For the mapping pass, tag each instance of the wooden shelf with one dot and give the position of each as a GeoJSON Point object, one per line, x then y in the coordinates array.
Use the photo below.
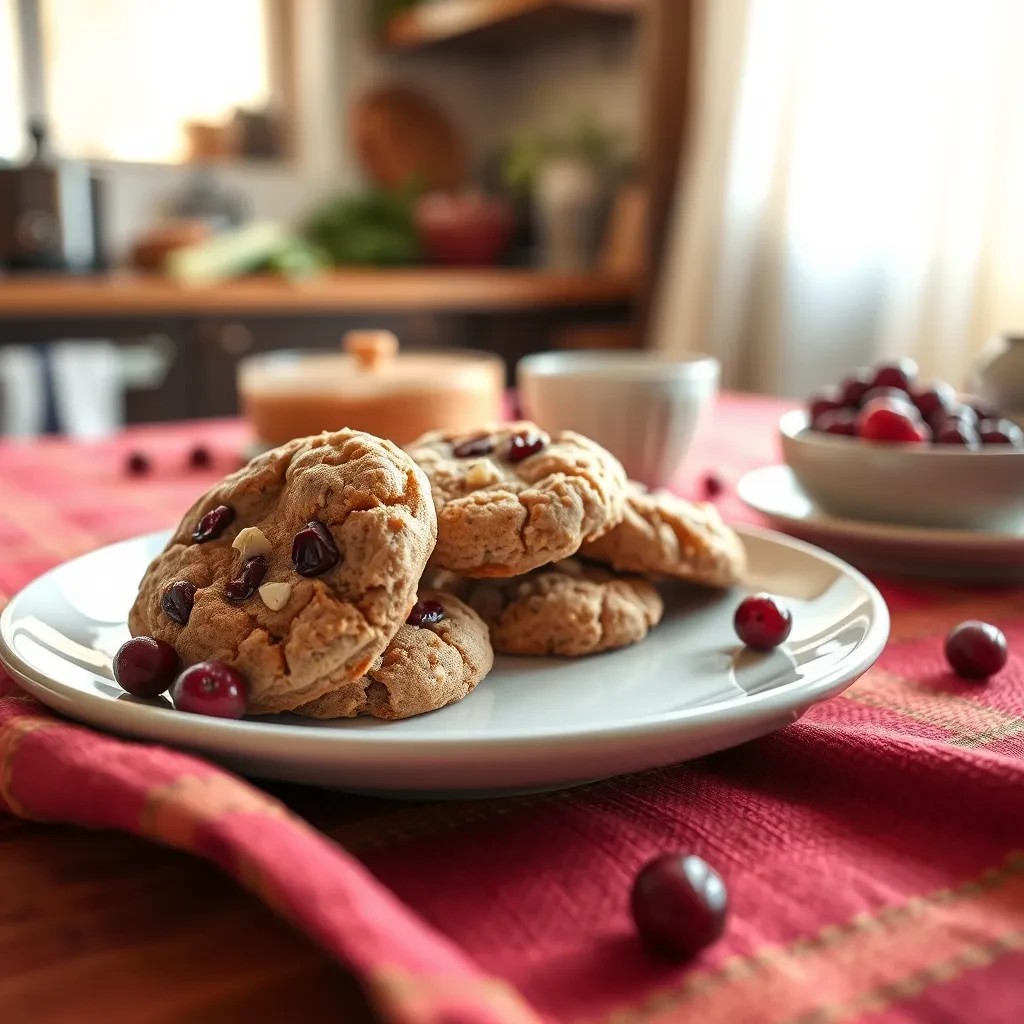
{"type": "Point", "coordinates": [441, 21]}
{"type": "Point", "coordinates": [381, 291]}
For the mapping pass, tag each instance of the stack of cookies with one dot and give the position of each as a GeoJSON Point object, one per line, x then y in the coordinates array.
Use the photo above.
{"type": "Point", "coordinates": [343, 576]}
{"type": "Point", "coordinates": [549, 543]}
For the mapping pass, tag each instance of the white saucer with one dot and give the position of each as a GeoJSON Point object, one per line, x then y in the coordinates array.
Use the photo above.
{"type": "Point", "coordinates": [918, 551]}
{"type": "Point", "coordinates": [534, 723]}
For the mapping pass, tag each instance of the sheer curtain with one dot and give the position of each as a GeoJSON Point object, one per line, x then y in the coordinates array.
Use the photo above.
{"type": "Point", "coordinates": [852, 187]}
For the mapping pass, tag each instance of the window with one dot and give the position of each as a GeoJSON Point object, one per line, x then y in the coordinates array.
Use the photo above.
{"type": "Point", "coordinates": [12, 128]}
{"type": "Point", "coordinates": [122, 79]}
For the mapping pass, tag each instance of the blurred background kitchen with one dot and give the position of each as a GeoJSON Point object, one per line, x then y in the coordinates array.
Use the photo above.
{"type": "Point", "coordinates": [793, 186]}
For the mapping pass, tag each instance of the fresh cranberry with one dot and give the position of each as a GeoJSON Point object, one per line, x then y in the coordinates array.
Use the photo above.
{"type": "Point", "coordinates": [522, 446]}
{"type": "Point", "coordinates": [842, 421]}
{"type": "Point", "coordinates": [761, 622]}
{"type": "Point", "coordinates": [137, 464]}
{"type": "Point", "coordinates": [474, 446]}
{"type": "Point", "coordinates": [210, 688]}
{"type": "Point", "coordinates": [976, 650]}
{"type": "Point", "coordinates": [957, 411]}
{"type": "Point", "coordinates": [825, 401]}
{"type": "Point", "coordinates": [886, 394]}
{"type": "Point", "coordinates": [1001, 432]}
{"type": "Point", "coordinates": [900, 374]}
{"type": "Point", "coordinates": [679, 905]}
{"type": "Point", "coordinates": [200, 457]}
{"type": "Point", "coordinates": [935, 399]}
{"type": "Point", "coordinates": [982, 410]}
{"type": "Point", "coordinates": [314, 550]}
{"type": "Point", "coordinates": [892, 422]}
{"type": "Point", "coordinates": [425, 613]}
{"type": "Point", "coordinates": [957, 432]}
{"type": "Point", "coordinates": [244, 585]}
{"type": "Point", "coordinates": [213, 524]}
{"type": "Point", "coordinates": [853, 388]}
{"type": "Point", "coordinates": [712, 484]}
{"type": "Point", "coordinates": [145, 667]}
{"type": "Point", "coordinates": [177, 601]}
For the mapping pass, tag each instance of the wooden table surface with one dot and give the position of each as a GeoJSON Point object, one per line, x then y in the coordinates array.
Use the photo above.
{"type": "Point", "coordinates": [423, 290]}
{"type": "Point", "coordinates": [103, 928]}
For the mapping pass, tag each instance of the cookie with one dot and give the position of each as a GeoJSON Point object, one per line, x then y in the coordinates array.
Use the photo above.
{"type": "Point", "coordinates": [298, 569]}
{"type": "Point", "coordinates": [425, 667]}
{"type": "Point", "coordinates": [569, 608]}
{"type": "Point", "coordinates": [667, 535]}
{"type": "Point", "coordinates": [510, 498]}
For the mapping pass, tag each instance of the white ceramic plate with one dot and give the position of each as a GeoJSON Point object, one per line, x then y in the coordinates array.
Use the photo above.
{"type": "Point", "coordinates": [534, 723]}
{"type": "Point", "coordinates": [917, 551]}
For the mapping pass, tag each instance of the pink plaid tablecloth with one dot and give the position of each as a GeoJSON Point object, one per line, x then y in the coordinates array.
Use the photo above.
{"type": "Point", "coordinates": [874, 850]}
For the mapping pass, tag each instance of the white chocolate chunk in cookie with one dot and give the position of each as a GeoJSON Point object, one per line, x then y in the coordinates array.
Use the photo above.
{"type": "Point", "coordinates": [275, 595]}
{"type": "Point", "coordinates": [482, 474]}
{"type": "Point", "coordinates": [250, 542]}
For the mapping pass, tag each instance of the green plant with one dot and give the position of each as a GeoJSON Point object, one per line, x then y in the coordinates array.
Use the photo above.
{"type": "Point", "coordinates": [586, 140]}
{"type": "Point", "coordinates": [373, 229]}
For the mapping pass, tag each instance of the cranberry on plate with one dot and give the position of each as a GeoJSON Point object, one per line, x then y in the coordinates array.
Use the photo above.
{"type": "Point", "coordinates": [762, 622]}
{"type": "Point", "coordinates": [679, 905]}
{"type": "Point", "coordinates": [976, 650]}
{"type": "Point", "coordinates": [210, 688]}
{"type": "Point", "coordinates": [146, 667]}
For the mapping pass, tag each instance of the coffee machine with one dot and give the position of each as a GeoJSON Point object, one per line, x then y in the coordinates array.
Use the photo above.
{"type": "Point", "coordinates": [50, 213]}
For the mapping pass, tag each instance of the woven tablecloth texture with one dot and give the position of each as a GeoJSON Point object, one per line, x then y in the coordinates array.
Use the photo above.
{"type": "Point", "coordinates": [874, 851]}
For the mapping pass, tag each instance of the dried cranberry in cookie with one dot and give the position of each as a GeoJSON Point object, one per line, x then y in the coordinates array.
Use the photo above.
{"type": "Point", "coordinates": [425, 613]}
{"type": "Point", "coordinates": [296, 637]}
{"type": "Point", "coordinates": [247, 582]}
{"type": "Point", "coordinates": [177, 601]}
{"type": "Point", "coordinates": [535, 500]}
{"type": "Point", "coordinates": [213, 524]}
{"type": "Point", "coordinates": [522, 446]}
{"type": "Point", "coordinates": [314, 550]}
{"type": "Point", "coordinates": [473, 447]}
{"type": "Point", "coordinates": [425, 667]}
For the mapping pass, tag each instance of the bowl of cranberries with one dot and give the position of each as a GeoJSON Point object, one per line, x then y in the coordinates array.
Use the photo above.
{"type": "Point", "coordinates": [884, 445]}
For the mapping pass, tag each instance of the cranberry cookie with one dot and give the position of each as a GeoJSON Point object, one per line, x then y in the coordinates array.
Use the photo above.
{"type": "Point", "coordinates": [510, 498]}
{"type": "Point", "coordinates": [667, 535]}
{"type": "Point", "coordinates": [436, 658]}
{"type": "Point", "coordinates": [298, 569]}
{"type": "Point", "coordinates": [569, 608]}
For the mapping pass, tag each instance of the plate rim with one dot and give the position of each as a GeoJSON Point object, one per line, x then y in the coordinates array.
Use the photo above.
{"type": "Point", "coordinates": [272, 739]}
{"type": "Point", "coordinates": [866, 529]}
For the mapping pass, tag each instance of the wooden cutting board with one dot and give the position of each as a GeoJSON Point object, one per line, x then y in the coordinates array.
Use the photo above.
{"type": "Point", "coordinates": [401, 136]}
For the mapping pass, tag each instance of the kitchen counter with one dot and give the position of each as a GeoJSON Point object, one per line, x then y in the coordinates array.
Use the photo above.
{"type": "Point", "coordinates": [344, 291]}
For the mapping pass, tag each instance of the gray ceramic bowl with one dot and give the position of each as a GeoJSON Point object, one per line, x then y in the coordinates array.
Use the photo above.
{"type": "Point", "coordinates": [918, 485]}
